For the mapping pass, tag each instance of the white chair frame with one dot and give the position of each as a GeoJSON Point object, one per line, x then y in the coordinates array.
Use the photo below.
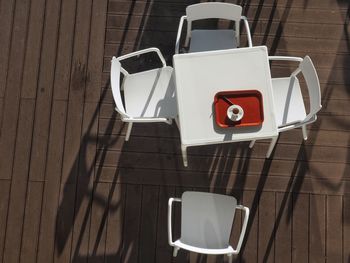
{"type": "Point", "coordinates": [204, 250]}
{"type": "Point", "coordinates": [312, 82]}
{"type": "Point", "coordinates": [211, 10]}
{"type": "Point", "coordinates": [116, 87]}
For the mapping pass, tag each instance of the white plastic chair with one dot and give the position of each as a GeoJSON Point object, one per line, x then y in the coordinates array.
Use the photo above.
{"type": "Point", "coordinates": [290, 109]}
{"type": "Point", "coordinates": [206, 40]}
{"type": "Point", "coordinates": [206, 223]}
{"type": "Point", "coordinates": [149, 96]}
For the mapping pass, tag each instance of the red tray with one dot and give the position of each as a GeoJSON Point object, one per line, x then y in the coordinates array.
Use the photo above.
{"type": "Point", "coordinates": [250, 100]}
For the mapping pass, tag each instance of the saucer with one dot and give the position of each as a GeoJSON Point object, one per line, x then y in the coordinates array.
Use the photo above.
{"type": "Point", "coordinates": [235, 116]}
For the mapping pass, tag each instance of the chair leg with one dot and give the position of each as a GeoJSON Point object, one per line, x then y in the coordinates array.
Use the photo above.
{"type": "Point", "coordinates": [272, 145]}
{"type": "Point", "coordinates": [229, 258]}
{"type": "Point", "coordinates": [251, 144]}
{"type": "Point", "coordinates": [184, 154]}
{"type": "Point", "coordinates": [128, 131]}
{"type": "Point", "coordinates": [303, 128]}
{"type": "Point", "coordinates": [177, 122]}
{"type": "Point", "coordinates": [176, 249]}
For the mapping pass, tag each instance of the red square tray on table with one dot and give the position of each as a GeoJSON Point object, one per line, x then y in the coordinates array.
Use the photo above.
{"type": "Point", "coordinates": [251, 102]}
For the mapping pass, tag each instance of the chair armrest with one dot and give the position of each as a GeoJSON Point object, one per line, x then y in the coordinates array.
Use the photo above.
{"type": "Point", "coordinates": [246, 24]}
{"type": "Point", "coordinates": [170, 206]}
{"type": "Point", "coordinates": [286, 58]}
{"type": "Point", "coordinates": [143, 51]}
{"type": "Point", "coordinates": [244, 227]}
{"type": "Point", "coordinates": [146, 120]}
{"type": "Point", "coordinates": [310, 118]}
{"type": "Point", "coordinates": [179, 31]}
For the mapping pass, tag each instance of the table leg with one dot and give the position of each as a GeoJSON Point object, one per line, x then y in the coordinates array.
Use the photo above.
{"type": "Point", "coordinates": [251, 144]}
{"type": "Point", "coordinates": [304, 132]}
{"type": "Point", "coordinates": [177, 122]}
{"type": "Point", "coordinates": [272, 145]}
{"type": "Point", "coordinates": [128, 131]}
{"type": "Point", "coordinates": [184, 154]}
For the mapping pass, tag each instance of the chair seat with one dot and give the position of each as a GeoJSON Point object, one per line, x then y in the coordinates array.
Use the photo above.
{"type": "Point", "coordinates": [288, 100]}
{"type": "Point", "coordinates": [150, 94]}
{"type": "Point", "coordinates": [220, 251]}
{"type": "Point", "coordinates": [207, 40]}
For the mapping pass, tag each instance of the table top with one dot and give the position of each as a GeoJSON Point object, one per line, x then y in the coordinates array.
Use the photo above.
{"type": "Point", "coordinates": [199, 76]}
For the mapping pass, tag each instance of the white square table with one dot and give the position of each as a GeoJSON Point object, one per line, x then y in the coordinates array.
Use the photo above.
{"type": "Point", "coordinates": [199, 76]}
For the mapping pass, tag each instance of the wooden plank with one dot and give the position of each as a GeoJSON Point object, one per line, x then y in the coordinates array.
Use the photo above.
{"type": "Point", "coordinates": [306, 45]}
{"type": "Point", "coordinates": [300, 15]}
{"type": "Point", "coordinates": [95, 60]}
{"type": "Point", "coordinates": [115, 236]}
{"type": "Point", "coordinates": [262, 27]}
{"type": "Point", "coordinates": [31, 222]}
{"type": "Point", "coordinates": [7, 10]}
{"type": "Point", "coordinates": [334, 228]}
{"type": "Point", "coordinates": [332, 123]}
{"type": "Point", "coordinates": [44, 95]}
{"type": "Point", "coordinates": [132, 222]}
{"type": "Point", "coordinates": [300, 228]}
{"type": "Point", "coordinates": [203, 163]}
{"type": "Point", "coordinates": [19, 183]}
{"type": "Point", "coordinates": [266, 248]}
{"type": "Point", "coordinates": [14, 83]}
{"type": "Point", "coordinates": [112, 126]}
{"type": "Point", "coordinates": [317, 246]}
{"type": "Point", "coordinates": [81, 249]}
{"type": "Point", "coordinates": [76, 91]}
{"type": "Point", "coordinates": [325, 4]}
{"type": "Point", "coordinates": [283, 226]}
{"type": "Point", "coordinates": [52, 182]}
{"type": "Point", "coordinates": [4, 202]}
{"type": "Point", "coordinates": [88, 141]}
{"type": "Point", "coordinates": [320, 60]}
{"type": "Point", "coordinates": [282, 44]}
{"type": "Point", "coordinates": [79, 232]}
{"type": "Point", "coordinates": [253, 12]}
{"type": "Point", "coordinates": [315, 137]}
{"type": "Point", "coordinates": [163, 250]}
{"type": "Point", "coordinates": [172, 161]}
{"type": "Point", "coordinates": [264, 30]}
{"type": "Point", "coordinates": [64, 222]}
{"type": "Point", "coordinates": [33, 49]}
{"type": "Point", "coordinates": [98, 226]}
{"type": "Point", "coordinates": [1, 113]}
{"type": "Point", "coordinates": [249, 250]}
{"type": "Point", "coordinates": [148, 226]}
{"type": "Point", "coordinates": [274, 182]}
{"type": "Point", "coordinates": [346, 228]}
{"type": "Point", "coordinates": [64, 50]}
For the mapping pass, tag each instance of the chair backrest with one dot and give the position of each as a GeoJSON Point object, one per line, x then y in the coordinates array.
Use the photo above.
{"type": "Point", "coordinates": [206, 219]}
{"type": "Point", "coordinates": [115, 84]}
{"type": "Point", "coordinates": [313, 85]}
{"type": "Point", "coordinates": [213, 10]}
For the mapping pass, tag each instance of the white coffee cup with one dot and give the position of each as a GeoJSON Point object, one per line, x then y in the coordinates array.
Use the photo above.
{"type": "Point", "coordinates": [235, 112]}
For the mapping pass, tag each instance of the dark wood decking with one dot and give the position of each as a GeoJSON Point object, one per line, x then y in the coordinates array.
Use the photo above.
{"type": "Point", "coordinates": [71, 188]}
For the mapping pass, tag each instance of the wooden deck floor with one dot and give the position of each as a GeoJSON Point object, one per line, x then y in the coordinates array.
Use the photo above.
{"type": "Point", "coordinates": [72, 190]}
